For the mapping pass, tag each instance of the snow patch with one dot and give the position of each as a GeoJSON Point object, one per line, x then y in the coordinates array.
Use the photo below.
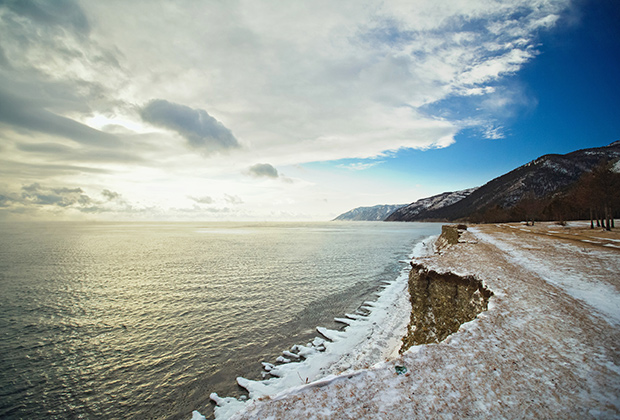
{"type": "Point", "coordinates": [602, 298]}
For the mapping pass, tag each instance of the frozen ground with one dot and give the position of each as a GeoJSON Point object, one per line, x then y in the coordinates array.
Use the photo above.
{"type": "Point", "coordinates": [547, 348]}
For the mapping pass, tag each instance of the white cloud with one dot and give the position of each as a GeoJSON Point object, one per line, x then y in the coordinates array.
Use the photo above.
{"type": "Point", "coordinates": [295, 82]}
{"type": "Point", "coordinates": [306, 72]}
{"type": "Point", "coordinates": [493, 133]}
{"type": "Point", "coordinates": [202, 200]}
{"type": "Point", "coordinates": [232, 199]}
{"type": "Point", "coordinates": [360, 166]}
{"type": "Point", "coordinates": [494, 68]}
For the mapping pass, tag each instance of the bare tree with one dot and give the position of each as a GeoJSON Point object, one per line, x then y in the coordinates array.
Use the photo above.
{"type": "Point", "coordinates": [599, 190]}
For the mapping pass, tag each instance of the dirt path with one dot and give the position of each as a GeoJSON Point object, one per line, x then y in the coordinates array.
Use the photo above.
{"type": "Point", "coordinates": [573, 231]}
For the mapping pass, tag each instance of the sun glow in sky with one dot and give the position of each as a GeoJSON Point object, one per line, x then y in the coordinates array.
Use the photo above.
{"type": "Point", "coordinates": [270, 110]}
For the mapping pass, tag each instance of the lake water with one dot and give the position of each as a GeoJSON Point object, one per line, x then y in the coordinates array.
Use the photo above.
{"type": "Point", "coordinates": [145, 320]}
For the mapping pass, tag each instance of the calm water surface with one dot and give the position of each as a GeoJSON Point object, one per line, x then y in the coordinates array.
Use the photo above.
{"type": "Point", "coordinates": [127, 320]}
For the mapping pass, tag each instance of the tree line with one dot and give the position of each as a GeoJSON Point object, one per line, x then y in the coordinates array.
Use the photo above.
{"type": "Point", "coordinates": [595, 197]}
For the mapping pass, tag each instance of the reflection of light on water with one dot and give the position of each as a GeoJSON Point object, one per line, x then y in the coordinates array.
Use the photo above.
{"type": "Point", "coordinates": [145, 320]}
{"type": "Point", "coordinates": [226, 231]}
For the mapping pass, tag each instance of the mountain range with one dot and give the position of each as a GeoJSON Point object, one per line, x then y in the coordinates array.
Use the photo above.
{"type": "Point", "coordinates": [541, 181]}
{"type": "Point", "coordinates": [417, 209]}
{"type": "Point", "coordinates": [375, 213]}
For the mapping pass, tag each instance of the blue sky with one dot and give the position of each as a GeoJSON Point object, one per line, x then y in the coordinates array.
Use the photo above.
{"type": "Point", "coordinates": [571, 101]}
{"type": "Point", "coordinates": [263, 110]}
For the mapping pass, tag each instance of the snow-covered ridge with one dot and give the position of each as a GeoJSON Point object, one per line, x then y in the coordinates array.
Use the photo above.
{"type": "Point", "coordinates": [375, 213]}
{"type": "Point", "coordinates": [430, 203]}
{"type": "Point", "coordinates": [545, 178]}
{"type": "Point", "coordinates": [372, 335]}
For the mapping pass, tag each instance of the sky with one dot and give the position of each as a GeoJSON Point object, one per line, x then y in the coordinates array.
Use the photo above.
{"type": "Point", "coordinates": [270, 110]}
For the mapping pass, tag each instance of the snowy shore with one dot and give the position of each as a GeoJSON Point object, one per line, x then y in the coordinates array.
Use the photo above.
{"type": "Point", "coordinates": [546, 348]}
{"type": "Point", "coordinates": [371, 335]}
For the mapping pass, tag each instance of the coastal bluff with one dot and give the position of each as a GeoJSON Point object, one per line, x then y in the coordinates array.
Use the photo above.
{"type": "Point", "coordinates": [547, 347]}
{"type": "Point", "coordinates": [442, 302]}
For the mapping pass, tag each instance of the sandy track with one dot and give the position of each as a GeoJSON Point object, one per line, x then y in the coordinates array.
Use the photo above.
{"type": "Point", "coordinates": [574, 231]}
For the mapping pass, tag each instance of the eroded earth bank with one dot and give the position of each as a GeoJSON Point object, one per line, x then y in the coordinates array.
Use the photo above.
{"type": "Point", "coordinates": [547, 347]}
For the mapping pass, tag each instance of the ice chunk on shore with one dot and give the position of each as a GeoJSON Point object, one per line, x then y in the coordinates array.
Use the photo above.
{"type": "Point", "coordinates": [290, 355]}
{"type": "Point", "coordinates": [268, 366]}
{"type": "Point", "coordinates": [346, 321]}
{"type": "Point", "coordinates": [197, 416]}
{"type": "Point", "coordinates": [374, 336]}
{"type": "Point", "coordinates": [225, 407]}
{"type": "Point", "coordinates": [331, 335]}
{"type": "Point", "coordinates": [318, 341]}
{"type": "Point", "coordinates": [306, 351]}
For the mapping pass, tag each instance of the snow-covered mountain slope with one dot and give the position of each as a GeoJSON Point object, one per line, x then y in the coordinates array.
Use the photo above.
{"type": "Point", "coordinates": [436, 202]}
{"type": "Point", "coordinates": [375, 213]}
{"type": "Point", "coordinates": [539, 179]}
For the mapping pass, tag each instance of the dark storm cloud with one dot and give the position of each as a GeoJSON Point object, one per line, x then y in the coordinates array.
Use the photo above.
{"type": "Point", "coordinates": [129, 153]}
{"type": "Point", "coordinates": [4, 62]}
{"type": "Point", "coordinates": [263, 170]}
{"type": "Point", "coordinates": [45, 46]}
{"type": "Point", "coordinates": [34, 194]}
{"type": "Point", "coordinates": [65, 13]}
{"type": "Point", "coordinates": [5, 201]}
{"type": "Point", "coordinates": [41, 170]}
{"type": "Point", "coordinates": [23, 113]}
{"type": "Point", "coordinates": [47, 148]}
{"type": "Point", "coordinates": [201, 130]}
{"type": "Point", "coordinates": [32, 198]}
{"type": "Point", "coordinates": [30, 88]}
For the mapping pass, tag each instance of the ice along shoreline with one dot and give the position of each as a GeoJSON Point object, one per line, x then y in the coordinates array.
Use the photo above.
{"type": "Point", "coordinates": [371, 335]}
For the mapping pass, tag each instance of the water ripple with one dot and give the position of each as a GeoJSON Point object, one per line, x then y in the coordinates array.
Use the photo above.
{"type": "Point", "coordinates": [144, 321]}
